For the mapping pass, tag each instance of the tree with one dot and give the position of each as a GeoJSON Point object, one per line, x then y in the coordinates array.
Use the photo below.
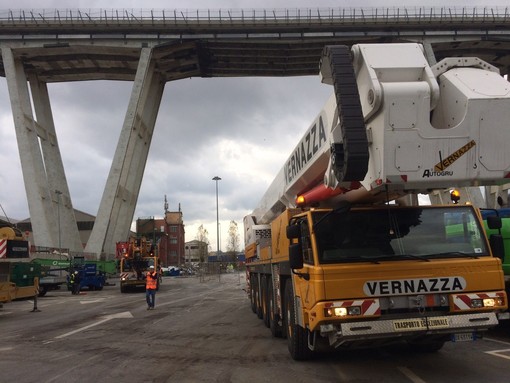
{"type": "Point", "coordinates": [202, 236]}
{"type": "Point", "coordinates": [233, 240]}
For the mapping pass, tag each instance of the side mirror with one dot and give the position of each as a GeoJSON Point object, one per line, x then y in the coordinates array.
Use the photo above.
{"type": "Point", "coordinates": [494, 222]}
{"type": "Point", "coordinates": [295, 256]}
{"type": "Point", "coordinates": [293, 232]}
{"type": "Point", "coordinates": [497, 246]}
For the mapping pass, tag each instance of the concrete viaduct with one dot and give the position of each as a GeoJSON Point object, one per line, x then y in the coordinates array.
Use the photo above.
{"type": "Point", "coordinates": [153, 47]}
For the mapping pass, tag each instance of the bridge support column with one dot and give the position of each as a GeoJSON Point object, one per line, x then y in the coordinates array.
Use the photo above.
{"type": "Point", "coordinates": [429, 53]}
{"type": "Point", "coordinates": [497, 196]}
{"type": "Point", "coordinates": [118, 203]}
{"type": "Point", "coordinates": [49, 202]}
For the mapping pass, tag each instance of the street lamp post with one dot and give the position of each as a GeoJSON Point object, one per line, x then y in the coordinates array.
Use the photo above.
{"type": "Point", "coordinates": [58, 193]}
{"type": "Point", "coordinates": [216, 178]}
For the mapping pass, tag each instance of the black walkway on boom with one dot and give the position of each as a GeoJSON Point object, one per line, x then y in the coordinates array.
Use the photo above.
{"type": "Point", "coordinates": [349, 158]}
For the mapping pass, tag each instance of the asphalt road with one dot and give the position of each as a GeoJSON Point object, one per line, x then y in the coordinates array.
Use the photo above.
{"type": "Point", "coordinates": [204, 331]}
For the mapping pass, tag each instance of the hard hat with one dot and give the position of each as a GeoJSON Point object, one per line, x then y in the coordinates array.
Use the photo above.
{"type": "Point", "coordinates": [151, 267]}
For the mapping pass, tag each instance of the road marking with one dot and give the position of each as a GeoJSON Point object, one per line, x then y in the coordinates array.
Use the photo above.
{"type": "Point", "coordinates": [74, 367]}
{"type": "Point", "coordinates": [496, 341]}
{"type": "Point", "coordinates": [411, 375]}
{"type": "Point", "coordinates": [92, 301]}
{"type": "Point", "coordinates": [6, 348]}
{"type": "Point", "coordinates": [199, 295]}
{"type": "Point", "coordinates": [499, 353]}
{"type": "Point", "coordinates": [125, 314]}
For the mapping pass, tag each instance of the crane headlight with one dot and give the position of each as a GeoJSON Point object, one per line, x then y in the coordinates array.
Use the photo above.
{"type": "Point", "coordinates": [342, 311]}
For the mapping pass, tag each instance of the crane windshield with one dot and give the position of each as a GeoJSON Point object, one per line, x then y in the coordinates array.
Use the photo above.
{"type": "Point", "coordinates": [398, 233]}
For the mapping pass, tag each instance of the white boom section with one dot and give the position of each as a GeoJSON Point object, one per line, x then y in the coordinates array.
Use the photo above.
{"type": "Point", "coordinates": [304, 167]}
{"type": "Point", "coordinates": [427, 128]}
{"type": "Point", "coordinates": [432, 128]}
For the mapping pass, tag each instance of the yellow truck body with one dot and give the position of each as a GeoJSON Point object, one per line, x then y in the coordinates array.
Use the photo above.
{"type": "Point", "coordinates": [9, 292]}
{"type": "Point", "coordinates": [367, 298]}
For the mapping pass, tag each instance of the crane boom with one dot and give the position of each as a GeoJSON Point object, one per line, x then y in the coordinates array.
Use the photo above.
{"type": "Point", "coordinates": [396, 125]}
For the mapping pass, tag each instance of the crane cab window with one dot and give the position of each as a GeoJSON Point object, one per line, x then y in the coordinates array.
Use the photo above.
{"type": "Point", "coordinates": [372, 235]}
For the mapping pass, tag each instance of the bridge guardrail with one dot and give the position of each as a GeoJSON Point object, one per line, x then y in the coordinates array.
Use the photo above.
{"type": "Point", "coordinates": [45, 17]}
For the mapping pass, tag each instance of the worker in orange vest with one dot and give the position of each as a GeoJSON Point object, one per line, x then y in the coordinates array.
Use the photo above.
{"type": "Point", "coordinates": [151, 285]}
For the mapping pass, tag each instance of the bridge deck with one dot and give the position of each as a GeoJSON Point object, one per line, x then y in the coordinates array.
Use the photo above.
{"type": "Point", "coordinates": [74, 45]}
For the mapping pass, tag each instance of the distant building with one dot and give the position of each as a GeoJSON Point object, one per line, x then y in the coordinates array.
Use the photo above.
{"type": "Point", "coordinates": [195, 251]}
{"type": "Point", "coordinates": [84, 221]}
{"type": "Point", "coordinates": [167, 234]}
{"type": "Point", "coordinates": [4, 221]}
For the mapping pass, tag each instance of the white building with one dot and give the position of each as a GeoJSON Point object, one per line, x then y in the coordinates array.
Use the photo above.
{"type": "Point", "coordinates": [195, 251]}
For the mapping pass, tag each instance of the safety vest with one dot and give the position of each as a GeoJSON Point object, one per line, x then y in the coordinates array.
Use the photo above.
{"type": "Point", "coordinates": [151, 281]}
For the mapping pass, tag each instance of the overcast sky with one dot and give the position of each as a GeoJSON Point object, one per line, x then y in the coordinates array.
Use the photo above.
{"type": "Point", "coordinates": [240, 129]}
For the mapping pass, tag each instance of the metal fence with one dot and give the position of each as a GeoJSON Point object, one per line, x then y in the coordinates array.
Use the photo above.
{"type": "Point", "coordinates": [273, 16]}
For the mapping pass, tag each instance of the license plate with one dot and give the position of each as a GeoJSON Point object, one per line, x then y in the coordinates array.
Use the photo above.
{"type": "Point", "coordinates": [463, 337]}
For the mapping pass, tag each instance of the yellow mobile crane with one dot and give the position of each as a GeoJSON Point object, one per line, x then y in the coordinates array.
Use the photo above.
{"type": "Point", "coordinates": [334, 257]}
{"type": "Point", "coordinates": [17, 279]}
{"type": "Point", "coordinates": [136, 256]}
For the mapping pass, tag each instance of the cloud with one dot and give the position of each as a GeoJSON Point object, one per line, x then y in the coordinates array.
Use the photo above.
{"type": "Point", "coordinates": [239, 129]}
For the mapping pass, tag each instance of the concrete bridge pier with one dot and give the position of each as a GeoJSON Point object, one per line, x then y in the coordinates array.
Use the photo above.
{"type": "Point", "coordinates": [497, 196]}
{"type": "Point", "coordinates": [118, 203]}
{"type": "Point", "coordinates": [49, 202]}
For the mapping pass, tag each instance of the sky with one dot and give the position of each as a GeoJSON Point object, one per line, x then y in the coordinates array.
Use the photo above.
{"type": "Point", "coordinates": [240, 129]}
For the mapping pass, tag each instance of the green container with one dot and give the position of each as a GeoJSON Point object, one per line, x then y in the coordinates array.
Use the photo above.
{"type": "Point", "coordinates": [23, 273]}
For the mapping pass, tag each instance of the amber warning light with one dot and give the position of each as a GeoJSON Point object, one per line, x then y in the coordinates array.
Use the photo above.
{"type": "Point", "coordinates": [455, 196]}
